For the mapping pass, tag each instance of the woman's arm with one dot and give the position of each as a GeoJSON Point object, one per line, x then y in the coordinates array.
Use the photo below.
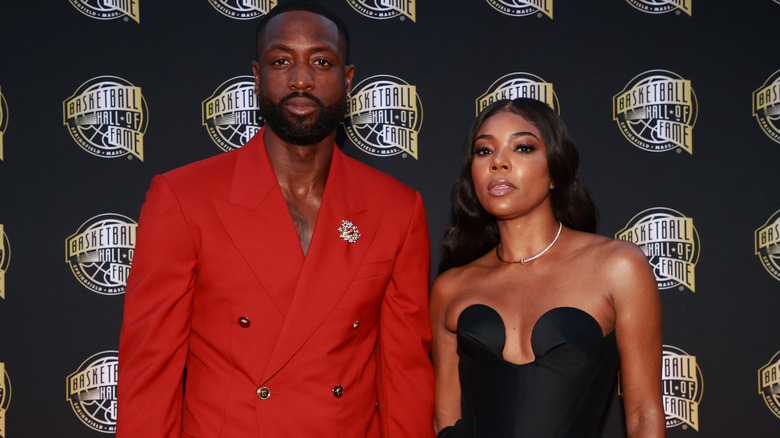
{"type": "Point", "coordinates": [638, 331]}
{"type": "Point", "coordinates": [445, 356]}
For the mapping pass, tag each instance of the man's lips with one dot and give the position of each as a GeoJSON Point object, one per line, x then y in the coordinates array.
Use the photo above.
{"type": "Point", "coordinates": [500, 187]}
{"type": "Point", "coordinates": [301, 106]}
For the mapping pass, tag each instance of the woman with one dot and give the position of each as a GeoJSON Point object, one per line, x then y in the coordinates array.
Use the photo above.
{"type": "Point", "coordinates": [534, 311]}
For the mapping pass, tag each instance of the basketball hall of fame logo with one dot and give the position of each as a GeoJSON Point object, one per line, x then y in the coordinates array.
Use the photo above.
{"type": "Point", "coordinates": [516, 85]}
{"type": "Point", "coordinates": [766, 106]}
{"type": "Point", "coordinates": [656, 111]}
{"type": "Point", "coordinates": [100, 253]}
{"type": "Point", "coordinates": [768, 245]}
{"type": "Point", "coordinates": [384, 116]}
{"type": "Point", "coordinates": [519, 8]}
{"type": "Point", "coordinates": [91, 391]}
{"type": "Point", "coordinates": [231, 115]}
{"type": "Point", "coordinates": [243, 9]}
{"type": "Point", "coordinates": [108, 9]}
{"type": "Point", "coordinates": [384, 9]}
{"type": "Point", "coordinates": [769, 384]}
{"type": "Point", "coordinates": [5, 259]}
{"type": "Point", "coordinates": [662, 6]}
{"type": "Point", "coordinates": [683, 387]}
{"type": "Point", "coordinates": [670, 242]}
{"type": "Point", "coordinates": [5, 397]}
{"type": "Point", "coordinates": [3, 120]}
{"type": "Point", "coordinates": [107, 116]}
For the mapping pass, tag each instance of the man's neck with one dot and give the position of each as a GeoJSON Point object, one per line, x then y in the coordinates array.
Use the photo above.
{"type": "Point", "coordinates": [302, 172]}
{"type": "Point", "coordinates": [299, 168]}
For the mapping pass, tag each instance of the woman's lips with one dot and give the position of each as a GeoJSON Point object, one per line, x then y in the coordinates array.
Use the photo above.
{"type": "Point", "coordinates": [500, 187]}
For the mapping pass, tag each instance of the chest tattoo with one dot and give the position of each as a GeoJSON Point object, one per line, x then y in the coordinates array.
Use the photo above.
{"type": "Point", "coordinates": [301, 226]}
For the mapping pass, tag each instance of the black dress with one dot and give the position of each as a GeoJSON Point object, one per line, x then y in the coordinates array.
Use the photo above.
{"type": "Point", "coordinates": [562, 393]}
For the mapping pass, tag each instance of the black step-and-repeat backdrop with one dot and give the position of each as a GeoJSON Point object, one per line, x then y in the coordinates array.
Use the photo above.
{"type": "Point", "coordinates": [674, 104]}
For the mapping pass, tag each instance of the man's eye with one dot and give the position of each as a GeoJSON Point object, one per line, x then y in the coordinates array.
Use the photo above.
{"type": "Point", "coordinates": [322, 63]}
{"type": "Point", "coordinates": [280, 62]}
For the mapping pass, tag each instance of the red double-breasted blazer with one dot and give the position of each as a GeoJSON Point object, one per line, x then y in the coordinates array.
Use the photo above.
{"type": "Point", "coordinates": [275, 344]}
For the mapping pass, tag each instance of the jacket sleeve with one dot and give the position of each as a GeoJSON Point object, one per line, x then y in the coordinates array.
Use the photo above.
{"type": "Point", "coordinates": [156, 325]}
{"type": "Point", "coordinates": [405, 373]}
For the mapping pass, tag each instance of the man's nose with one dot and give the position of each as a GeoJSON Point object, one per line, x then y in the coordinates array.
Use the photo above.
{"type": "Point", "coordinates": [301, 78]}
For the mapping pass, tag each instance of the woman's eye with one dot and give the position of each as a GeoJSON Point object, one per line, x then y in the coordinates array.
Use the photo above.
{"type": "Point", "coordinates": [481, 152]}
{"type": "Point", "coordinates": [525, 148]}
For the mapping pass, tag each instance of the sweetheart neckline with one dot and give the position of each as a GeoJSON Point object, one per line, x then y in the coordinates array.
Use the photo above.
{"type": "Point", "coordinates": [533, 329]}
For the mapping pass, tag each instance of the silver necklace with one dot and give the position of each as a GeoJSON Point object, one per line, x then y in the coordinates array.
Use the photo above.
{"type": "Point", "coordinates": [524, 261]}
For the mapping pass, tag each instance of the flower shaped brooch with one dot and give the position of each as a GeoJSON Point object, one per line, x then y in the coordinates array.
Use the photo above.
{"type": "Point", "coordinates": [349, 232]}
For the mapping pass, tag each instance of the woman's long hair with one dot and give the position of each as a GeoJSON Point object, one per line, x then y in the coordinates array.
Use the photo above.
{"type": "Point", "coordinates": [474, 231]}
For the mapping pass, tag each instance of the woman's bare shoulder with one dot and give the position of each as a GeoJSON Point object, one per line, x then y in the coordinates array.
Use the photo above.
{"type": "Point", "coordinates": [617, 262]}
{"type": "Point", "coordinates": [626, 268]}
{"type": "Point", "coordinates": [452, 282]}
{"type": "Point", "coordinates": [607, 251]}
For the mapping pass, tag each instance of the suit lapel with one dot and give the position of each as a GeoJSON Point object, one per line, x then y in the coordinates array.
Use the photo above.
{"type": "Point", "coordinates": [257, 220]}
{"type": "Point", "coordinates": [331, 262]}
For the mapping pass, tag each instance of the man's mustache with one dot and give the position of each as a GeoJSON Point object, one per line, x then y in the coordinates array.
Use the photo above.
{"type": "Point", "coordinates": [301, 94]}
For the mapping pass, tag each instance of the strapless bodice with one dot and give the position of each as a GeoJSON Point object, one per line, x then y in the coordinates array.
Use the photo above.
{"type": "Point", "coordinates": [561, 393]}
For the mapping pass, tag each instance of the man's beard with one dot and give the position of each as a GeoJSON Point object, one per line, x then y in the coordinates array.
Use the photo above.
{"type": "Point", "coordinates": [302, 130]}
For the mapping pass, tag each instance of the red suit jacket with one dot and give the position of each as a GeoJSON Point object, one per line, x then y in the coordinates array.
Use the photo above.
{"type": "Point", "coordinates": [275, 344]}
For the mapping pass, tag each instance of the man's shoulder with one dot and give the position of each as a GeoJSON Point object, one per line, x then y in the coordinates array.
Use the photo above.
{"type": "Point", "coordinates": [377, 180]}
{"type": "Point", "coordinates": [217, 166]}
{"type": "Point", "coordinates": [207, 167]}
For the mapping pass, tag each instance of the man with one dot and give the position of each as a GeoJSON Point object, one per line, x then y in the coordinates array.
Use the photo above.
{"type": "Point", "coordinates": [288, 279]}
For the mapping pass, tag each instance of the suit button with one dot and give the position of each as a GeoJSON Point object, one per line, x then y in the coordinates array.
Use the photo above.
{"type": "Point", "coordinates": [263, 393]}
{"type": "Point", "coordinates": [243, 321]}
{"type": "Point", "coordinates": [338, 391]}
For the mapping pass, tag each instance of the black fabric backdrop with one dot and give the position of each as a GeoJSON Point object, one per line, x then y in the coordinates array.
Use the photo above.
{"type": "Point", "coordinates": [178, 54]}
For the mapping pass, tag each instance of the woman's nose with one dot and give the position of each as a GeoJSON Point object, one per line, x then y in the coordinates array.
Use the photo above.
{"type": "Point", "coordinates": [500, 162]}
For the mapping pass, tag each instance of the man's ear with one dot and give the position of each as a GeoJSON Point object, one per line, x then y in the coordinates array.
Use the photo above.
{"type": "Point", "coordinates": [256, 73]}
{"type": "Point", "coordinates": [349, 73]}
